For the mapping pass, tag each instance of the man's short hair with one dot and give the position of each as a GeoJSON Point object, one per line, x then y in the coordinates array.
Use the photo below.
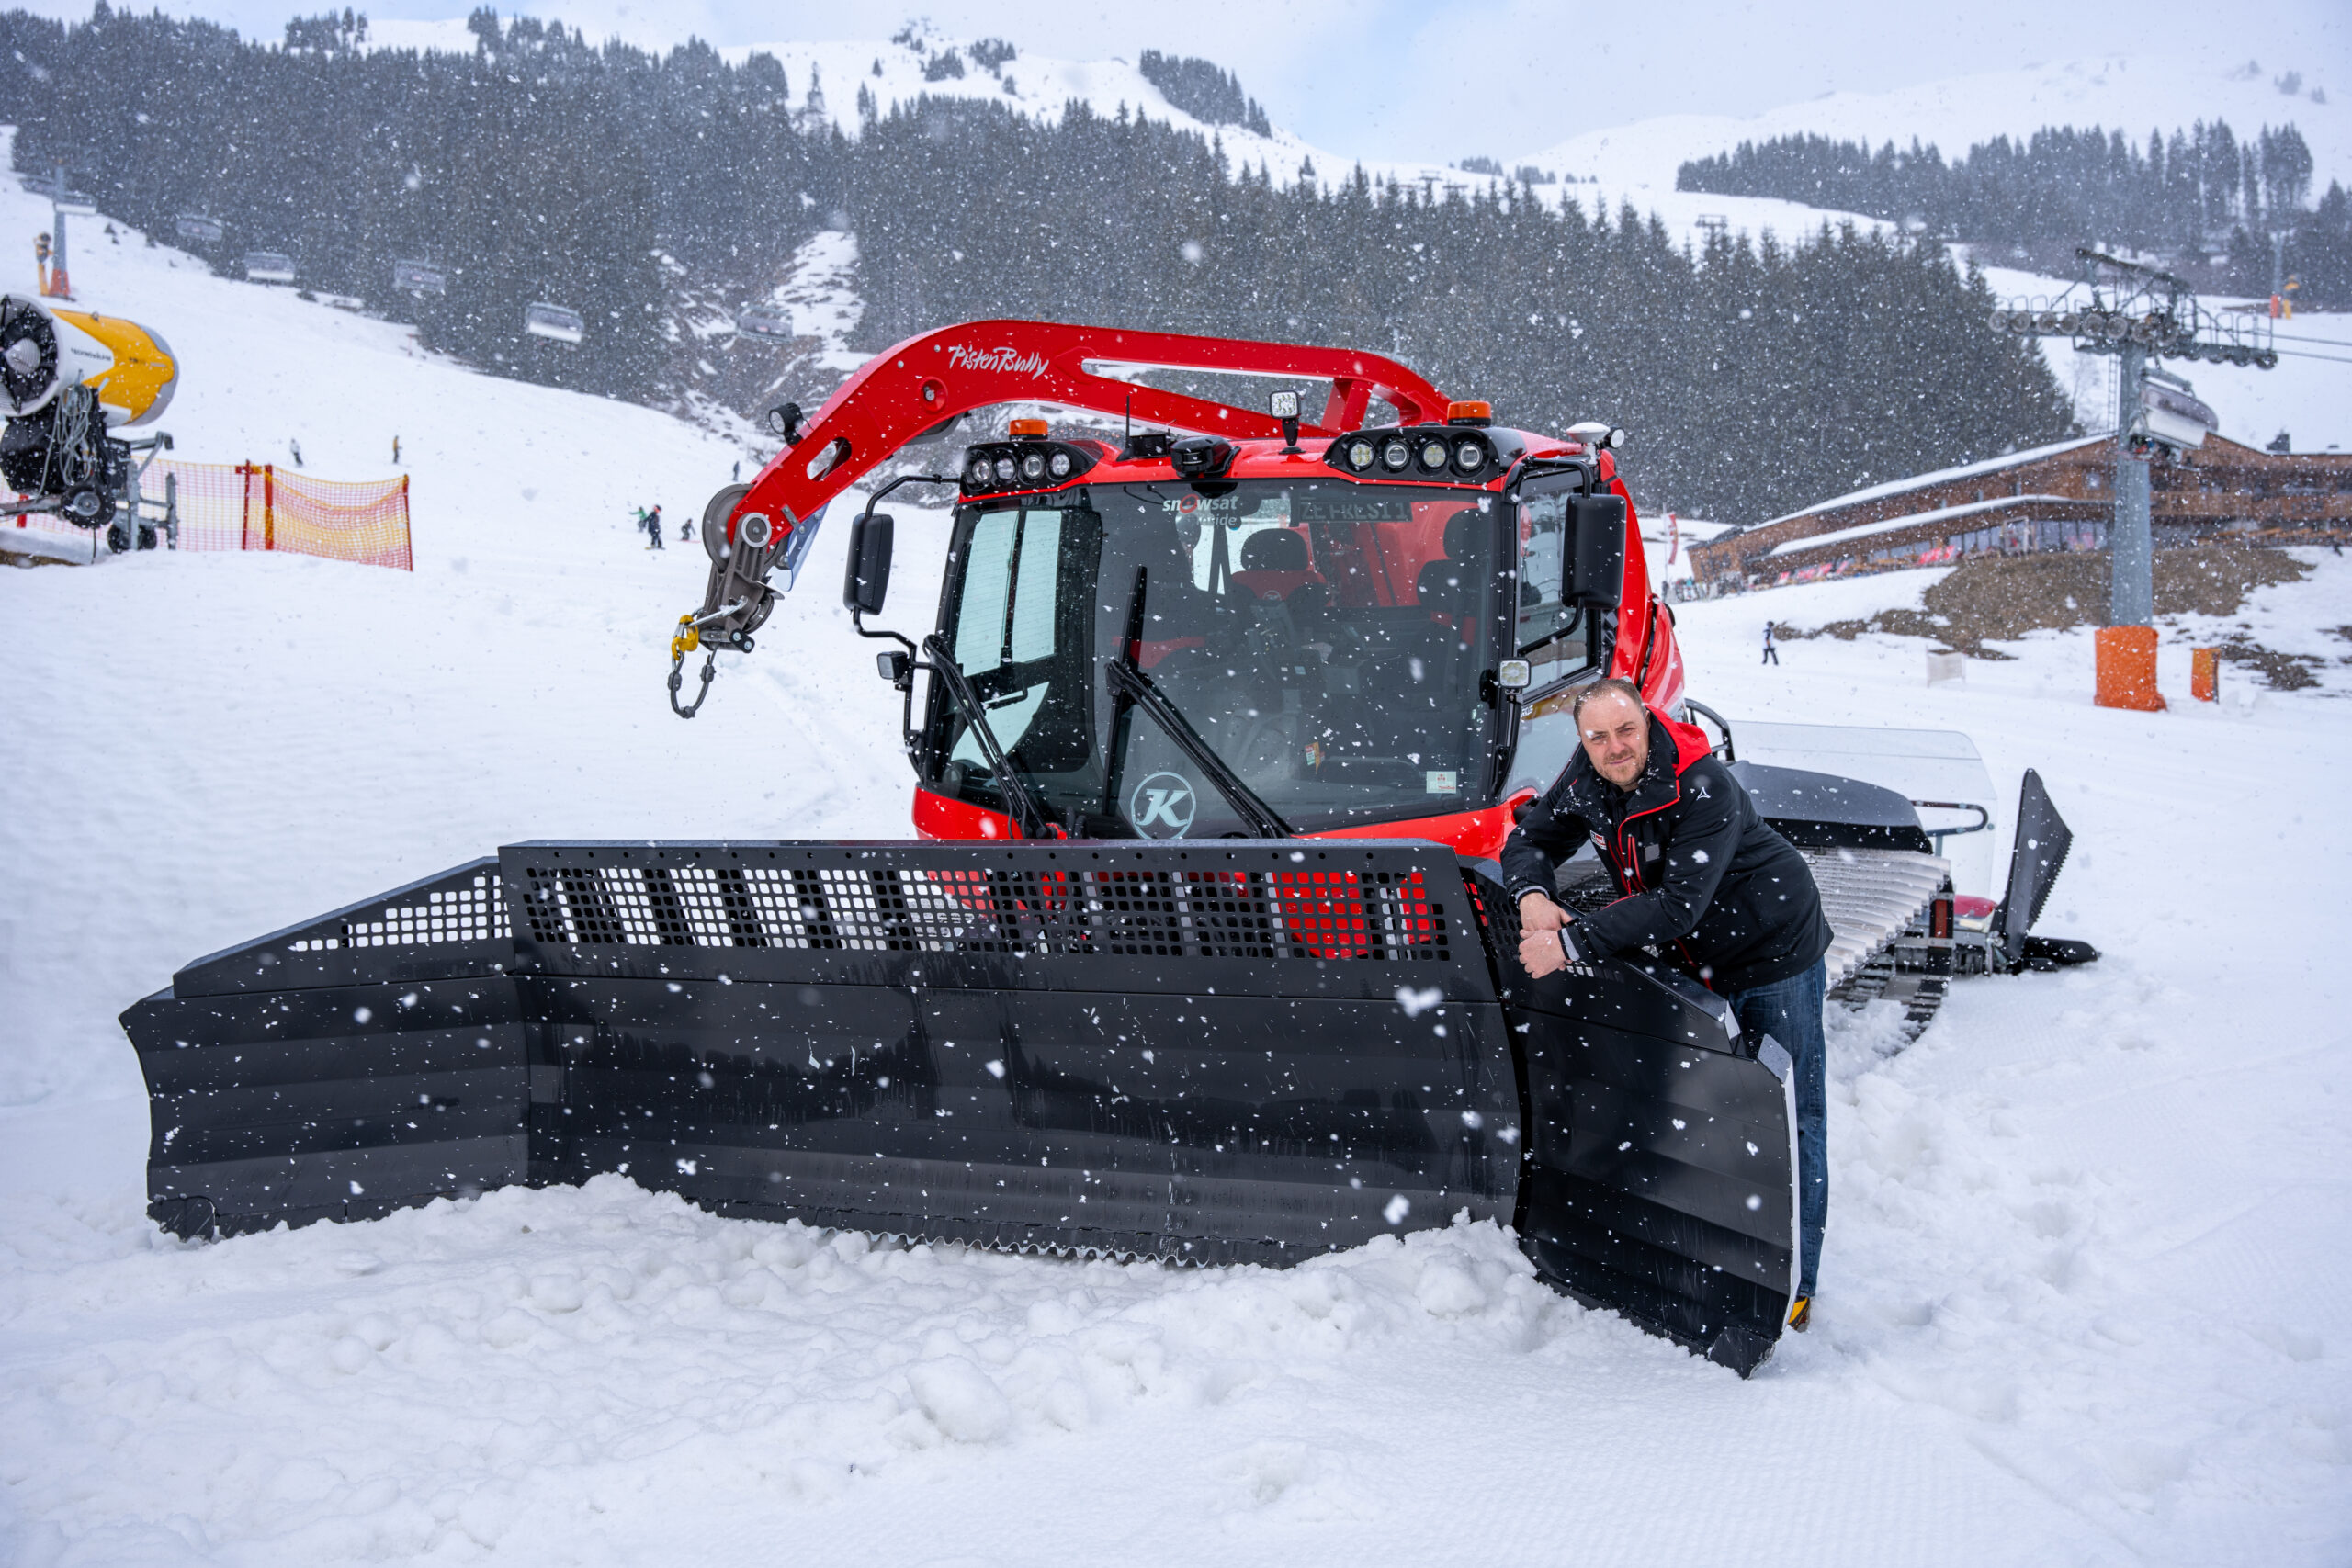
{"type": "Point", "coordinates": [1613, 686]}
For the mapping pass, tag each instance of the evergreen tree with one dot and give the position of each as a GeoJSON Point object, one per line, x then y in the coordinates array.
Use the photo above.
{"type": "Point", "coordinates": [2064, 186]}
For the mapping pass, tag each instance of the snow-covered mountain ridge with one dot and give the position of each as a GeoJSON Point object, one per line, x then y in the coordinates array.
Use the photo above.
{"type": "Point", "coordinates": [2132, 93]}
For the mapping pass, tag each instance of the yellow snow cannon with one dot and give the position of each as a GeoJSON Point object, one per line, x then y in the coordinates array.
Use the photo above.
{"type": "Point", "coordinates": [68, 379]}
{"type": "Point", "coordinates": [46, 349]}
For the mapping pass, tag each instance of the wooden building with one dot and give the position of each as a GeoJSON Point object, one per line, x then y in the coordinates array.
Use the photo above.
{"type": "Point", "coordinates": [2056, 497]}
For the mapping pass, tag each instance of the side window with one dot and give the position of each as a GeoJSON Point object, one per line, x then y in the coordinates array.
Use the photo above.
{"type": "Point", "coordinates": [1020, 636]}
{"type": "Point", "coordinates": [1543, 614]}
{"type": "Point", "coordinates": [1006, 613]}
{"type": "Point", "coordinates": [979, 613]}
{"type": "Point", "coordinates": [1552, 633]}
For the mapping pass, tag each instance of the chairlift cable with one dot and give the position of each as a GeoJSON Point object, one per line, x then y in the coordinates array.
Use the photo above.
{"type": "Point", "coordinates": [2299, 353]}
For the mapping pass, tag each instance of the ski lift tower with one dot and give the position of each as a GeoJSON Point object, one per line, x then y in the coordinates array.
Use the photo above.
{"type": "Point", "coordinates": [63, 199]}
{"type": "Point", "coordinates": [2139, 314]}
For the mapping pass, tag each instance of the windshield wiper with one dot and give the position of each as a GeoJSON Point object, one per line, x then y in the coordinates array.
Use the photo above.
{"type": "Point", "coordinates": [1131, 688]}
{"type": "Point", "coordinates": [1023, 808]}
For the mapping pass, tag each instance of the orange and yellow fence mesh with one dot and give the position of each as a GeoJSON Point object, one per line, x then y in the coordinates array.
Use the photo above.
{"type": "Point", "coordinates": [260, 506]}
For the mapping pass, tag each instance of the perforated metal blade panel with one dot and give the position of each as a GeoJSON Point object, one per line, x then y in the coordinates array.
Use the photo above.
{"type": "Point", "coordinates": [340, 1068]}
{"type": "Point", "coordinates": [1194, 1050]}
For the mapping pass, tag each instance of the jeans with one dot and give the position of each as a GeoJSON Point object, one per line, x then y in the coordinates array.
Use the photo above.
{"type": "Point", "coordinates": [1789, 1011]}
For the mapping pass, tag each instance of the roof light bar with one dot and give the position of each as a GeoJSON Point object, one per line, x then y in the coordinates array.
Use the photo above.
{"type": "Point", "coordinates": [1023, 463]}
{"type": "Point", "coordinates": [1456, 452]}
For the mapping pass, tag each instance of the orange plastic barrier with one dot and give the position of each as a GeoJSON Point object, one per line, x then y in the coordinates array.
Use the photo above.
{"type": "Point", "coordinates": [259, 506]}
{"type": "Point", "coordinates": [2204, 673]}
{"type": "Point", "coordinates": [2127, 669]}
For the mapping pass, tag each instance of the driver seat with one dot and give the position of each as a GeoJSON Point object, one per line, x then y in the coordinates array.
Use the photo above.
{"type": "Point", "coordinates": [1274, 564]}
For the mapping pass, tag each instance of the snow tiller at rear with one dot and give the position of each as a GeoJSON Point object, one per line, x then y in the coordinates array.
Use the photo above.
{"type": "Point", "coordinates": [1200, 956]}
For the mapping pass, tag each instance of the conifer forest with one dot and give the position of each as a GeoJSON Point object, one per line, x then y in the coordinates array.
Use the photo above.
{"type": "Point", "coordinates": [1756, 374]}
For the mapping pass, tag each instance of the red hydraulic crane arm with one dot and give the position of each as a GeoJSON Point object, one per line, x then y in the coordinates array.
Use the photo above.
{"type": "Point", "coordinates": [932, 378]}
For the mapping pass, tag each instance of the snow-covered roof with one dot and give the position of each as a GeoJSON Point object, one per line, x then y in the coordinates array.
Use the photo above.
{"type": "Point", "coordinates": [1940, 514]}
{"type": "Point", "coordinates": [1941, 476]}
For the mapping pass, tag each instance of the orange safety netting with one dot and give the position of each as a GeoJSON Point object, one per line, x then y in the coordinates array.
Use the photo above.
{"type": "Point", "coordinates": [260, 506]}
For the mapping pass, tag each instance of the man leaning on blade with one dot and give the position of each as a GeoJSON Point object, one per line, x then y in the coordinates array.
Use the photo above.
{"type": "Point", "coordinates": [1700, 876]}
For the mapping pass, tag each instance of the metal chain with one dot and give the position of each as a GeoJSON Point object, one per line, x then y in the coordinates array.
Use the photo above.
{"type": "Point", "coordinates": [680, 645]}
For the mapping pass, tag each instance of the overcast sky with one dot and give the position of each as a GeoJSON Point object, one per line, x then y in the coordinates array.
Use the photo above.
{"type": "Point", "coordinates": [1439, 81]}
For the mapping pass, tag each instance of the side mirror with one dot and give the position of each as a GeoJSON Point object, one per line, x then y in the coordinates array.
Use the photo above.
{"type": "Point", "coordinates": [1596, 570]}
{"type": "Point", "coordinates": [869, 563]}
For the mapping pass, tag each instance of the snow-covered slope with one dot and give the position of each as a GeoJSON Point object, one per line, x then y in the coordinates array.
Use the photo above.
{"type": "Point", "coordinates": [2167, 90]}
{"type": "Point", "coordinates": [2082, 1296]}
{"type": "Point", "coordinates": [893, 74]}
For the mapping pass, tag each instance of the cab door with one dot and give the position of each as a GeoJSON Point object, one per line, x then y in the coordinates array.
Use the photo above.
{"type": "Point", "coordinates": [1562, 642]}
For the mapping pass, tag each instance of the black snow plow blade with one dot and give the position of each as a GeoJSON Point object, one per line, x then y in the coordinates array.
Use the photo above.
{"type": "Point", "coordinates": [1239, 1051]}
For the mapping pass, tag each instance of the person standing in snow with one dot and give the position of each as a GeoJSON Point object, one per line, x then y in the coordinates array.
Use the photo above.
{"type": "Point", "coordinates": [685, 531]}
{"type": "Point", "coordinates": [653, 527]}
{"type": "Point", "coordinates": [1771, 654]}
{"type": "Point", "coordinates": [1701, 876]}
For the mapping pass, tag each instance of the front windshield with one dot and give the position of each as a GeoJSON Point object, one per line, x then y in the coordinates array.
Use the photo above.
{"type": "Point", "coordinates": [1325, 640]}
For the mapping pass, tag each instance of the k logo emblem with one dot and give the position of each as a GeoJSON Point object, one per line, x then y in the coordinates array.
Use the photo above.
{"type": "Point", "coordinates": [1162, 805]}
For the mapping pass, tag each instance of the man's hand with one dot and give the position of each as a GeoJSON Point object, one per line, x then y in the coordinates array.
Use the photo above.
{"type": "Point", "coordinates": [1540, 922]}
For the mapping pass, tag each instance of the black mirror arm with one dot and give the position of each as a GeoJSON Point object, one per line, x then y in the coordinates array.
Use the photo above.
{"type": "Point", "coordinates": [1023, 810]}
{"type": "Point", "coordinates": [857, 621]}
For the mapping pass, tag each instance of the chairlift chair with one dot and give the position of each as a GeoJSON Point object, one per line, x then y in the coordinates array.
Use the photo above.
{"type": "Point", "coordinates": [765, 321]}
{"type": "Point", "coordinates": [268, 266]}
{"type": "Point", "coordinates": [543, 320]}
{"type": "Point", "coordinates": [420, 278]}
{"type": "Point", "coordinates": [62, 197]}
{"type": "Point", "coordinates": [202, 228]}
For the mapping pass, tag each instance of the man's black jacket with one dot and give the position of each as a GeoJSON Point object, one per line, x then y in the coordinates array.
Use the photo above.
{"type": "Point", "coordinates": [1700, 875]}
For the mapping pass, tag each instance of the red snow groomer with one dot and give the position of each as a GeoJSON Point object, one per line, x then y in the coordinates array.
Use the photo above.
{"type": "Point", "coordinates": [1200, 956]}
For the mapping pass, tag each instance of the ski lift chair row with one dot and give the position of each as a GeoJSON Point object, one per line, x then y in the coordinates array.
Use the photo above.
{"type": "Point", "coordinates": [268, 266]}
{"type": "Point", "coordinates": [543, 320]}
{"type": "Point", "coordinates": [765, 321]}
{"type": "Point", "coordinates": [420, 278]}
